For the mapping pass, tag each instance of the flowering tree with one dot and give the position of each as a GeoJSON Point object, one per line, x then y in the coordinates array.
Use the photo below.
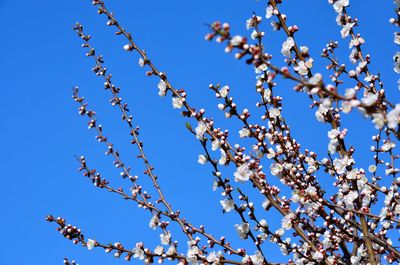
{"type": "Point", "coordinates": [354, 222]}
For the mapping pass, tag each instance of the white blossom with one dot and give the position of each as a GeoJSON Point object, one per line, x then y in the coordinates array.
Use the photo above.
{"type": "Point", "coordinates": [242, 173]}
{"type": "Point", "coordinates": [287, 221]}
{"type": "Point", "coordinates": [192, 253]}
{"type": "Point", "coordinates": [242, 230]}
{"type": "Point", "coordinates": [349, 104]}
{"type": "Point", "coordinates": [287, 46]}
{"type": "Point", "coordinates": [355, 260]}
{"type": "Point", "coordinates": [379, 120]}
{"type": "Point", "coordinates": [271, 153]}
{"type": "Point", "coordinates": [224, 91]}
{"type": "Point", "coordinates": [320, 116]}
{"type": "Point", "coordinates": [332, 146]}
{"type": "Point", "coordinates": [315, 79]}
{"type": "Point", "coordinates": [304, 49]}
{"type": "Point", "coordinates": [339, 19]}
{"type": "Point", "coordinates": [352, 73]}
{"type": "Point", "coordinates": [295, 197]}
{"type": "Point", "coordinates": [274, 112]}
{"type": "Point", "coordinates": [266, 203]}
{"type": "Point", "coordinates": [346, 106]}
{"type": "Point", "coordinates": [154, 221]}
{"type": "Point", "coordinates": [361, 66]}
{"type": "Point", "coordinates": [309, 63]}
{"type": "Point", "coordinates": [327, 241]}
{"type": "Point", "coordinates": [263, 223]}
{"type": "Point", "coordinates": [338, 5]}
{"type": "Point", "coordinates": [372, 168]}
{"type": "Point", "coordinates": [397, 209]}
{"type": "Point", "coordinates": [397, 38]}
{"type": "Point", "coordinates": [177, 103]}
{"type": "Point", "coordinates": [280, 232]}
{"type": "Point", "coordinates": [214, 145]}
{"type": "Point", "coordinates": [162, 86]}
{"type": "Point", "coordinates": [396, 59]}
{"type": "Point", "coordinates": [333, 134]}
{"type": "Point", "coordinates": [227, 205]}
{"type": "Point", "coordinates": [200, 130]}
{"type": "Point", "coordinates": [267, 94]}
{"type": "Point", "coordinates": [356, 42]}
{"type": "Point", "coordinates": [311, 191]}
{"type": "Point", "coordinates": [352, 174]}
{"type": "Point", "coordinates": [283, 249]}
{"type": "Point", "coordinates": [246, 259]}
{"type": "Point", "coordinates": [341, 164]}
{"type": "Point", "coordinates": [171, 251]}
{"type": "Point", "coordinates": [353, 55]}
{"type": "Point", "coordinates": [301, 68]}
{"type": "Point", "coordinates": [90, 244]}
{"type": "Point", "coordinates": [269, 11]}
{"type": "Point", "coordinates": [236, 40]}
{"type": "Point", "coordinates": [138, 253]}
{"type": "Point", "coordinates": [388, 145]}
{"type": "Point", "coordinates": [350, 93]}
{"type": "Point", "coordinates": [141, 62]}
{"type": "Point", "coordinates": [346, 29]}
{"type": "Point", "coordinates": [276, 169]}
{"type": "Point", "coordinates": [318, 256]}
{"type": "Point", "coordinates": [202, 159]}
{"type": "Point", "coordinates": [393, 117]}
{"type": "Point", "coordinates": [261, 68]}
{"type": "Point", "coordinates": [254, 35]}
{"type": "Point", "coordinates": [257, 258]}
{"type": "Point", "coordinates": [215, 185]}
{"type": "Point", "coordinates": [222, 160]}
{"type": "Point", "coordinates": [350, 198]}
{"type": "Point", "coordinates": [369, 99]}
{"type": "Point", "coordinates": [325, 106]}
{"type": "Point", "coordinates": [159, 250]}
{"type": "Point", "coordinates": [244, 133]}
{"type": "Point", "coordinates": [165, 238]}
{"type": "Point", "coordinates": [252, 22]}
{"type": "Point", "coordinates": [390, 171]}
{"type": "Point", "coordinates": [214, 258]}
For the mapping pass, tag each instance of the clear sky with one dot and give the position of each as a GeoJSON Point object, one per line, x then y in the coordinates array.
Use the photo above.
{"type": "Point", "coordinates": [41, 132]}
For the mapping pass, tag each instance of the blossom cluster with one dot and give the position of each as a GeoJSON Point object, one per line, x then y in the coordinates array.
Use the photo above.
{"type": "Point", "coordinates": [353, 221]}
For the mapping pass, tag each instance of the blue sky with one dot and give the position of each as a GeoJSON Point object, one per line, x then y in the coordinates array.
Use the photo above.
{"type": "Point", "coordinates": [41, 132]}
